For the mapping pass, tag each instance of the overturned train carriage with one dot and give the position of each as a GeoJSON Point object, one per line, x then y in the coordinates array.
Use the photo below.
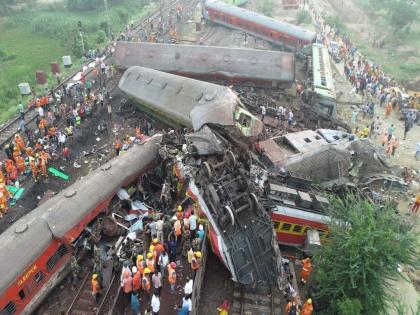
{"type": "Point", "coordinates": [36, 250]}
{"type": "Point", "coordinates": [185, 102]}
{"type": "Point", "coordinates": [247, 66]}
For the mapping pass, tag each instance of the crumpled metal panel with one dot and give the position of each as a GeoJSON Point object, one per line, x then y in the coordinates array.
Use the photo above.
{"type": "Point", "coordinates": [239, 63]}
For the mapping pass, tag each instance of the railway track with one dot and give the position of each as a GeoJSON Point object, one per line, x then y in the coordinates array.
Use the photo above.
{"type": "Point", "coordinates": [11, 127]}
{"type": "Point", "coordinates": [261, 300]}
{"type": "Point", "coordinates": [84, 303]}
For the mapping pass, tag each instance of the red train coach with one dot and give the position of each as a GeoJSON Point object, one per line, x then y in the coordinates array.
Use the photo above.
{"type": "Point", "coordinates": [36, 250]}
{"type": "Point", "coordinates": [279, 33]}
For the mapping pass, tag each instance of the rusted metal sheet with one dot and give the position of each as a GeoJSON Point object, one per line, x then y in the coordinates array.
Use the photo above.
{"type": "Point", "coordinates": [236, 64]}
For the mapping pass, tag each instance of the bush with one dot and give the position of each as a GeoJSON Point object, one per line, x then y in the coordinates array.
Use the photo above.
{"type": "Point", "coordinates": [82, 5]}
{"type": "Point", "coordinates": [335, 22]}
{"type": "Point", "coordinates": [267, 7]}
{"type": "Point", "coordinates": [303, 17]}
{"type": "Point", "coordinates": [101, 37]}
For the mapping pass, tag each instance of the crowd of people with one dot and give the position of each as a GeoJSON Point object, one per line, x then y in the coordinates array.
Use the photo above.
{"type": "Point", "coordinates": [168, 241]}
{"type": "Point", "coordinates": [374, 86]}
{"type": "Point", "coordinates": [59, 117]}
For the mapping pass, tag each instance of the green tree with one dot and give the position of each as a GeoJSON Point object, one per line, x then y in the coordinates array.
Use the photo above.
{"type": "Point", "coordinates": [401, 13]}
{"type": "Point", "coordinates": [365, 245]}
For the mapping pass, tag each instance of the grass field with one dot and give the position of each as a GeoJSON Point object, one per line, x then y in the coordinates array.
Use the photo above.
{"type": "Point", "coordinates": [31, 40]}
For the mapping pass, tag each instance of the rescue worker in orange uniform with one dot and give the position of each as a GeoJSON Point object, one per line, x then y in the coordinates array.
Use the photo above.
{"type": "Point", "coordinates": [136, 280]}
{"type": "Point", "coordinates": [46, 156]}
{"type": "Point", "coordinates": [140, 264]}
{"type": "Point", "coordinates": [2, 178]}
{"type": "Point", "coordinates": [150, 262]}
{"type": "Point", "coordinates": [117, 146]}
{"type": "Point", "coordinates": [96, 287]}
{"type": "Point", "coordinates": [20, 162]}
{"type": "Point", "coordinates": [19, 142]}
{"type": "Point", "coordinates": [41, 126]}
{"type": "Point", "coordinates": [4, 199]}
{"type": "Point", "coordinates": [172, 276]}
{"type": "Point", "coordinates": [306, 270]}
{"type": "Point", "coordinates": [307, 308]}
{"type": "Point", "coordinates": [29, 151]}
{"type": "Point", "coordinates": [158, 247]}
{"type": "Point", "coordinates": [196, 263]}
{"type": "Point", "coordinates": [291, 308]}
{"type": "Point", "coordinates": [11, 169]}
{"type": "Point", "coordinates": [145, 283]}
{"type": "Point", "coordinates": [34, 168]}
{"type": "Point", "coordinates": [127, 285]}
{"type": "Point", "coordinates": [42, 164]}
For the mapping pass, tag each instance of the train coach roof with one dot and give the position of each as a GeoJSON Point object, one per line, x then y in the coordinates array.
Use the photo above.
{"type": "Point", "coordinates": [20, 245]}
{"type": "Point", "coordinates": [271, 23]}
{"type": "Point", "coordinates": [207, 60]}
{"type": "Point", "coordinates": [188, 101]}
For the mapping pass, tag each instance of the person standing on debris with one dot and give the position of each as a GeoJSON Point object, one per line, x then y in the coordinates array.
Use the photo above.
{"type": "Point", "coordinates": [307, 308]}
{"type": "Point", "coordinates": [354, 114]}
{"type": "Point", "coordinates": [96, 288]}
{"type": "Point", "coordinates": [306, 270]}
{"type": "Point", "coordinates": [388, 110]}
{"type": "Point", "coordinates": [75, 269]}
{"type": "Point", "coordinates": [416, 204]}
{"type": "Point", "coordinates": [192, 221]}
{"type": "Point", "coordinates": [262, 112]}
{"type": "Point", "coordinates": [4, 199]}
{"type": "Point", "coordinates": [159, 229]}
{"type": "Point", "coordinates": [417, 154]}
{"type": "Point", "coordinates": [365, 132]}
{"type": "Point", "coordinates": [290, 117]}
{"type": "Point", "coordinates": [135, 304]}
{"type": "Point", "coordinates": [117, 146]}
{"type": "Point", "coordinates": [390, 131]}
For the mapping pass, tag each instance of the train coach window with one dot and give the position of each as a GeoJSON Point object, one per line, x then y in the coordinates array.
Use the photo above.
{"type": "Point", "coordinates": [297, 228]}
{"type": "Point", "coordinates": [39, 277]}
{"type": "Point", "coordinates": [22, 294]}
{"type": "Point", "coordinates": [52, 261]}
{"type": "Point", "coordinates": [244, 120]}
{"type": "Point", "coordinates": [9, 309]}
{"type": "Point", "coordinates": [276, 225]}
{"type": "Point", "coordinates": [286, 227]}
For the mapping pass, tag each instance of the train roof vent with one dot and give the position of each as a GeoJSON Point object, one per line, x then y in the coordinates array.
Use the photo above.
{"type": "Point", "coordinates": [21, 228]}
{"type": "Point", "coordinates": [177, 55]}
{"type": "Point", "coordinates": [279, 62]}
{"type": "Point", "coordinates": [151, 54]}
{"type": "Point", "coordinates": [226, 58]}
{"type": "Point", "coordinates": [70, 193]}
{"type": "Point", "coordinates": [106, 167]}
{"type": "Point", "coordinates": [164, 85]}
{"type": "Point", "coordinates": [253, 61]}
{"type": "Point", "coordinates": [138, 77]}
{"type": "Point", "coordinates": [150, 81]}
{"type": "Point", "coordinates": [179, 90]}
{"type": "Point", "coordinates": [199, 96]}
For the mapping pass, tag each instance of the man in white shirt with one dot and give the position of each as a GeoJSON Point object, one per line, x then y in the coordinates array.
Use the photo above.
{"type": "Point", "coordinates": [187, 301]}
{"type": "Point", "coordinates": [193, 225]}
{"type": "Point", "coordinates": [262, 112]}
{"type": "Point", "coordinates": [40, 111]}
{"type": "Point", "coordinates": [188, 288]}
{"type": "Point", "coordinates": [155, 304]}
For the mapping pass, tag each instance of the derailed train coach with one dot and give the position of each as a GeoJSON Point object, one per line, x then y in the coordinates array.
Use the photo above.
{"type": "Point", "coordinates": [35, 251]}
{"type": "Point", "coordinates": [185, 102]}
{"type": "Point", "coordinates": [277, 32]}
{"type": "Point", "coordinates": [236, 65]}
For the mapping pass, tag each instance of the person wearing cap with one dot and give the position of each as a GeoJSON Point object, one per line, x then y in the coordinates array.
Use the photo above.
{"type": "Point", "coordinates": [140, 263]}
{"type": "Point", "coordinates": [152, 250]}
{"type": "Point", "coordinates": [307, 308]}
{"type": "Point", "coordinates": [158, 247]}
{"type": "Point", "coordinates": [172, 276]}
{"type": "Point", "coordinates": [96, 287]}
{"type": "Point", "coordinates": [136, 279]}
{"type": "Point", "coordinates": [150, 262]}
{"type": "Point", "coordinates": [145, 283]}
{"type": "Point", "coordinates": [196, 263]}
{"type": "Point", "coordinates": [157, 281]}
{"type": "Point", "coordinates": [179, 213]}
{"type": "Point", "coordinates": [200, 232]}
{"type": "Point", "coordinates": [178, 230]}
